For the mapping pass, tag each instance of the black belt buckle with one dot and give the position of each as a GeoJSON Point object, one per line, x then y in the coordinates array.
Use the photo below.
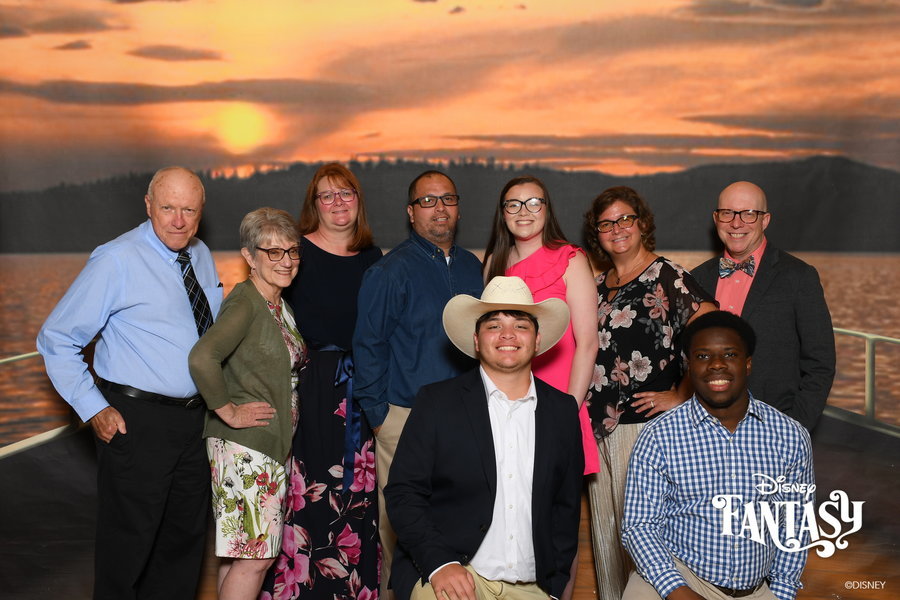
{"type": "Point", "coordinates": [194, 402]}
{"type": "Point", "coordinates": [732, 593]}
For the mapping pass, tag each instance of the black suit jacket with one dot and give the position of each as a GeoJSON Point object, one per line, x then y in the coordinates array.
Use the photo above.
{"type": "Point", "coordinates": [793, 366]}
{"type": "Point", "coordinates": [441, 488]}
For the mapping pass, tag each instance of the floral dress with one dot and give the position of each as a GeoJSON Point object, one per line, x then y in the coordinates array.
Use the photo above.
{"type": "Point", "coordinates": [639, 351]}
{"type": "Point", "coordinates": [248, 487]}
{"type": "Point", "coordinates": [330, 547]}
{"type": "Point", "coordinates": [639, 348]}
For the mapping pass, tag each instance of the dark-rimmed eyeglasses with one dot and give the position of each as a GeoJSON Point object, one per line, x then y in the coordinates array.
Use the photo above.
{"type": "Point", "coordinates": [534, 205]}
{"type": "Point", "coordinates": [624, 222]}
{"type": "Point", "coordinates": [276, 254]}
{"type": "Point", "coordinates": [431, 201]}
{"type": "Point", "coordinates": [329, 196]}
{"type": "Point", "coordinates": [727, 215]}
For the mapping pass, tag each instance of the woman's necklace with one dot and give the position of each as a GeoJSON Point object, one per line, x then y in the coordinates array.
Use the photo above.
{"type": "Point", "coordinates": [255, 280]}
{"type": "Point", "coordinates": [638, 266]}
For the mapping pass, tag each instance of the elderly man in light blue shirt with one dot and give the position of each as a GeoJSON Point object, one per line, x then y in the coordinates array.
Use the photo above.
{"type": "Point", "coordinates": [149, 294]}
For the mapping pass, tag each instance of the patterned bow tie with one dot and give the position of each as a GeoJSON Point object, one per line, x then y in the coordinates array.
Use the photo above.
{"type": "Point", "coordinates": [728, 266]}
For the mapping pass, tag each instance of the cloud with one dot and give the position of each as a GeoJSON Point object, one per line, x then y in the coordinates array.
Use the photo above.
{"type": "Point", "coordinates": [175, 53]}
{"type": "Point", "coordinates": [424, 1]}
{"type": "Point", "coordinates": [299, 92]}
{"type": "Point", "coordinates": [139, 1]}
{"type": "Point", "coordinates": [12, 31]}
{"type": "Point", "coordinates": [826, 126]}
{"type": "Point", "coordinates": [671, 151]}
{"type": "Point", "coordinates": [37, 18]}
{"type": "Point", "coordinates": [585, 145]}
{"type": "Point", "coordinates": [76, 45]}
{"type": "Point", "coordinates": [797, 10]}
{"type": "Point", "coordinates": [456, 10]}
{"type": "Point", "coordinates": [797, 137]}
{"type": "Point", "coordinates": [72, 23]}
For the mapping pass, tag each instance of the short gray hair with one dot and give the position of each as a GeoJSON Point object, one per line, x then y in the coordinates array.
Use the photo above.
{"type": "Point", "coordinates": [264, 223]}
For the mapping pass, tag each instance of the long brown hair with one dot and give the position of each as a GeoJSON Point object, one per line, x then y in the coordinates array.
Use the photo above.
{"type": "Point", "coordinates": [309, 216]}
{"type": "Point", "coordinates": [502, 240]}
{"type": "Point", "coordinates": [606, 199]}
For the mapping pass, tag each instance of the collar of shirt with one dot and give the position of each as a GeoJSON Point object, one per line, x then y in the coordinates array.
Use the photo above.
{"type": "Point", "coordinates": [698, 412]}
{"type": "Point", "coordinates": [756, 254]}
{"type": "Point", "coordinates": [492, 391]}
{"type": "Point", "coordinates": [168, 255]}
{"type": "Point", "coordinates": [430, 248]}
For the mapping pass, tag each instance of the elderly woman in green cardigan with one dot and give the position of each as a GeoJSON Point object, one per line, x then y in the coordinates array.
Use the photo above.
{"type": "Point", "coordinates": [246, 367]}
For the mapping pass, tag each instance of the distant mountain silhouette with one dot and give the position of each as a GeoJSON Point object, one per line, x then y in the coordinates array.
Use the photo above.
{"type": "Point", "coordinates": [818, 204]}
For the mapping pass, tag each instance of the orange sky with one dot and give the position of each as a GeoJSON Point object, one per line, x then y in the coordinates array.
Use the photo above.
{"type": "Point", "coordinates": [91, 88]}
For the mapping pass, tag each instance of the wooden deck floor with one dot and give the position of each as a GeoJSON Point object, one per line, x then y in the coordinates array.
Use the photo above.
{"type": "Point", "coordinates": [869, 559]}
{"type": "Point", "coordinates": [47, 521]}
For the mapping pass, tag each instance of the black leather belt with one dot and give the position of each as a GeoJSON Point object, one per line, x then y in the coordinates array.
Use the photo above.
{"type": "Point", "coordinates": [132, 392]}
{"type": "Point", "coordinates": [739, 593]}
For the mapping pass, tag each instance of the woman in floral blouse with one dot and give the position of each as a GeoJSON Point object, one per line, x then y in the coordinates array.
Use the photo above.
{"type": "Point", "coordinates": [645, 302]}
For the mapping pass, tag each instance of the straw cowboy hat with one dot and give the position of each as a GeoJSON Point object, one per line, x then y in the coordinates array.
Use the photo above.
{"type": "Point", "coordinates": [503, 293]}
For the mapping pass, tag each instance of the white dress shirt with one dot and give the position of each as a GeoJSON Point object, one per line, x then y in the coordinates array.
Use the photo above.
{"type": "Point", "coordinates": [507, 552]}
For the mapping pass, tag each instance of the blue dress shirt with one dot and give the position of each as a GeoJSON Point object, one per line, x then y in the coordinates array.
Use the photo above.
{"type": "Point", "coordinates": [399, 343]}
{"type": "Point", "coordinates": [683, 459]}
{"type": "Point", "coordinates": [132, 293]}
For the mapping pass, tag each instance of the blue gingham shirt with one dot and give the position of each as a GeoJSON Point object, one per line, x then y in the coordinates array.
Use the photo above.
{"type": "Point", "coordinates": [680, 462]}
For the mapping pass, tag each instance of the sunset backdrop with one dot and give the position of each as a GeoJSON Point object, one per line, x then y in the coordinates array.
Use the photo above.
{"type": "Point", "coordinates": [93, 88]}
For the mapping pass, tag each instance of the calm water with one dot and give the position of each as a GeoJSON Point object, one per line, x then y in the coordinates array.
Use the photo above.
{"type": "Point", "coordinates": [861, 290]}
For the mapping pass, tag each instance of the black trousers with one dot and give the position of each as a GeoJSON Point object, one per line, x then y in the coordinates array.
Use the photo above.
{"type": "Point", "coordinates": [153, 503]}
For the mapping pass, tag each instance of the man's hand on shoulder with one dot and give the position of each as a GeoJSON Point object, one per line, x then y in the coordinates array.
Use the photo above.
{"type": "Point", "coordinates": [684, 593]}
{"type": "Point", "coordinates": [453, 582]}
{"type": "Point", "coordinates": [107, 423]}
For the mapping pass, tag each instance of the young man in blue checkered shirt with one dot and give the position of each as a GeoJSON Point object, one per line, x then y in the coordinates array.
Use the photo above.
{"type": "Point", "coordinates": [710, 483]}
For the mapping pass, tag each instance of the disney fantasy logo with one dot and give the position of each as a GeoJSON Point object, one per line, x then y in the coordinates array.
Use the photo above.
{"type": "Point", "coordinates": [762, 520]}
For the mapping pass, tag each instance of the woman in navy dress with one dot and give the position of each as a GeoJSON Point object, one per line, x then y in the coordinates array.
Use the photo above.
{"type": "Point", "coordinates": [330, 546]}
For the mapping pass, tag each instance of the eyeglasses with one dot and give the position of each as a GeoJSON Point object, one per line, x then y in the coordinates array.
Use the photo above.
{"type": "Point", "coordinates": [430, 201]}
{"type": "Point", "coordinates": [328, 197]}
{"type": "Point", "coordinates": [726, 215]}
{"type": "Point", "coordinates": [624, 222]}
{"type": "Point", "coordinates": [276, 254]}
{"type": "Point", "coordinates": [534, 205]}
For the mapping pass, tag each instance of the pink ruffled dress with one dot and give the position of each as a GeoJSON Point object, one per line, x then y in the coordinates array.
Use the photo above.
{"type": "Point", "coordinates": [543, 273]}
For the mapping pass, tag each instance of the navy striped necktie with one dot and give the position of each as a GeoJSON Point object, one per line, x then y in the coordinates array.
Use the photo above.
{"type": "Point", "coordinates": [199, 303]}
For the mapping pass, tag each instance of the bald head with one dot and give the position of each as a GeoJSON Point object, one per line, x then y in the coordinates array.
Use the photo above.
{"type": "Point", "coordinates": [175, 176]}
{"type": "Point", "coordinates": [741, 219]}
{"type": "Point", "coordinates": [743, 192]}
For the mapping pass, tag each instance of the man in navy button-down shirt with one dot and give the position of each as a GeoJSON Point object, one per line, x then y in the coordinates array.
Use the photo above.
{"type": "Point", "coordinates": [399, 344]}
{"type": "Point", "coordinates": [700, 475]}
{"type": "Point", "coordinates": [153, 476]}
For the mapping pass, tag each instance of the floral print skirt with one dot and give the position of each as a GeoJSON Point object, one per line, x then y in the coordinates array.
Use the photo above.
{"type": "Point", "coordinates": [248, 500]}
{"type": "Point", "coordinates": [330, 549]}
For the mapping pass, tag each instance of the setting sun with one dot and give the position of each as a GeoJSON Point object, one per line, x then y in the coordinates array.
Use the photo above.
{"type": "Point", "coordinates": [242, 127]}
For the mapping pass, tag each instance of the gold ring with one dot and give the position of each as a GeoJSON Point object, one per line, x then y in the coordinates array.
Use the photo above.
{"type": "Point", "coordinates": [652, 405]}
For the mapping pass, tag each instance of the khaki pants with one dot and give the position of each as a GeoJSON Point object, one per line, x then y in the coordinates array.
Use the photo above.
{"type": "Point", "coordinates": [485, 589]}
{"type": "Point", "coordinates": [638, 589]}
{"type": "Point", "coordinates": [385, 447]}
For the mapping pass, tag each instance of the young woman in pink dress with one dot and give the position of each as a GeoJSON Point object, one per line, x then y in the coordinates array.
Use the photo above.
{"type": "Point", "coordinates": [526, 241]}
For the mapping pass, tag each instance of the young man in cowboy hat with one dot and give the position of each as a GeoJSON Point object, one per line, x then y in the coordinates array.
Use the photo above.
{"type": "Point", "coordinates": [484, 490]}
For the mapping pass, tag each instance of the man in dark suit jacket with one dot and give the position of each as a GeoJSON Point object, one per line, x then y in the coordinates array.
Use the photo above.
{"type": "Point", "coordinates": [781, 297]}
{"type": "Point", "coordinates": [485, 487]}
